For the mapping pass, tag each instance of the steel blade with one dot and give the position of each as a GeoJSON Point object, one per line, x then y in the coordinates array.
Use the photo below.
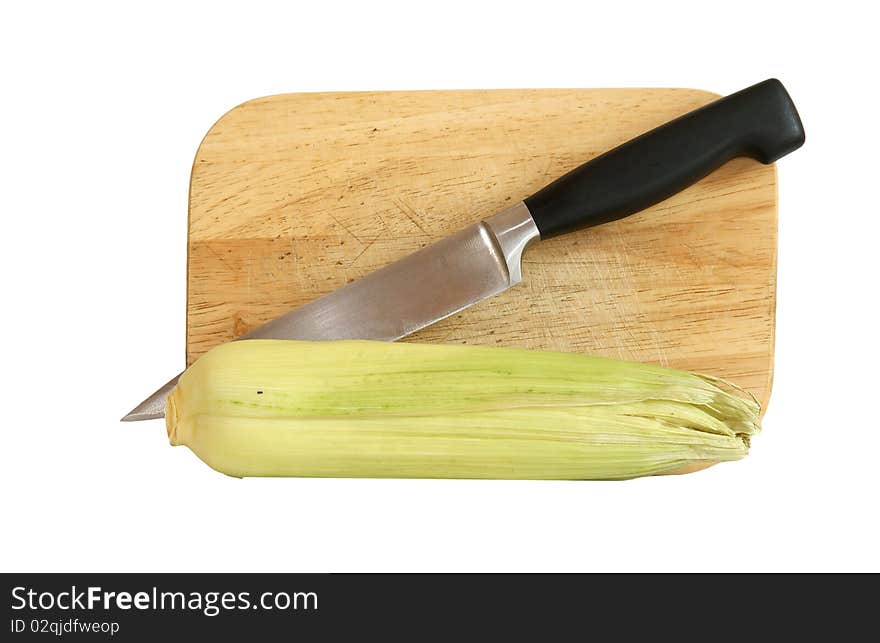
{"type": "Point", "coordinates": [429, 285]}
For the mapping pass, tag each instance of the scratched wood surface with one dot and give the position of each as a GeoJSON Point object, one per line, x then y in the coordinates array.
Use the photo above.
{"type": "Point", "coordinates": [292, 196]}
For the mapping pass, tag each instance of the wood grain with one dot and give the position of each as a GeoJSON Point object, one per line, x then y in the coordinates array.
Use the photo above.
{"type": "Point", "coordinates": [292, 196]}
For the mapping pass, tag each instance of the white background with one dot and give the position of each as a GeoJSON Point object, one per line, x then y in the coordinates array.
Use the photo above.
{"type": "Point", "coordinates": [103, 107]}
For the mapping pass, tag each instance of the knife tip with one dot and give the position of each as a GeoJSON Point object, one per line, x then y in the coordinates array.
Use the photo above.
{"type": "Point", "coordinates": [153, 407]}
{"type": "Point", "coordinates": [136, 416]}
{"type": "Point", "coordinates": [146, 410]}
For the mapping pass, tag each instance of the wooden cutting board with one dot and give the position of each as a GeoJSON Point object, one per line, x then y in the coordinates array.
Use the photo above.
{"type": "Point", "coordinates": [293, 196]}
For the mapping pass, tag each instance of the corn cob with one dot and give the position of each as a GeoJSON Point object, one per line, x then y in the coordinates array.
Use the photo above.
{"type": "Point", "coordinates": [377, 409]}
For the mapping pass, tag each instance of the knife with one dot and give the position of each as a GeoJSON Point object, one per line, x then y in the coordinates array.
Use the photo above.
{"type": "Point", "coordinates": [484, 259]}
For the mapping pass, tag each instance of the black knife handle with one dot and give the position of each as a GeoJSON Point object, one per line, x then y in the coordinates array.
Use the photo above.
{"type": "Point", "coordinates": [760, 122]}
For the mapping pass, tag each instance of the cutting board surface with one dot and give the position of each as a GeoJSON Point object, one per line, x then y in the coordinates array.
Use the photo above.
{"type": "Point", "coordinates": [293, 196]}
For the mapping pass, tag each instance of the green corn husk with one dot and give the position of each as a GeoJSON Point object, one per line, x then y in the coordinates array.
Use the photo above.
{"type": "Point", "coordinates": [378, 409]}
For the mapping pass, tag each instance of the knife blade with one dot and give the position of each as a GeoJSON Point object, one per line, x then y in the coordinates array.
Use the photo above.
{"type": "Point", "coordinates": [437, 281]}
{"type": "Point", "coordinates": [485, 258]}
